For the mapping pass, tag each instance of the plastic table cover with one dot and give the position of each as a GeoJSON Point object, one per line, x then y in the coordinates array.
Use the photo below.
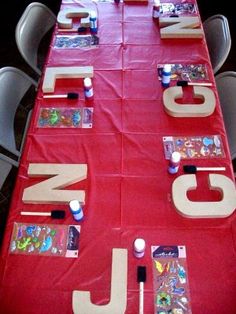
{"type": "Point", "coordinates": [128, 188]}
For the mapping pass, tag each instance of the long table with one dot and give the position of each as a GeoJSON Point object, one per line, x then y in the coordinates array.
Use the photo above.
{"type": "Point", "coordinates": [128, 189]}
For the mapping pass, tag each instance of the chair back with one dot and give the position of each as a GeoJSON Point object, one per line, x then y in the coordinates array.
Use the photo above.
{"type": "Point", "coordinates": [35, 22]}
{"type": "Point", "coordinates": [14, 83]}
{"type": "Point", "coordinates": [218, 39]}
{"type": "Point", "coordinates": [226, 86]}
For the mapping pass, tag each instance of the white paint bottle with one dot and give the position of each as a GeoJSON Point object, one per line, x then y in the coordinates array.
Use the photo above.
{"type": "Point", "coordinates": [166, 75]}
{"type": "Point", "coordinates": [93, 22]}
{"type": "Point", "coordinates": [139, 247]}
{"type": "Point", "coordinates": [156, 9]}
{"type": "Point", "coordinates": [88, 88]}
{"type": "Point", "coordinates": [174, 163]}
{"type": "Point", "coordinates": [76, 210]}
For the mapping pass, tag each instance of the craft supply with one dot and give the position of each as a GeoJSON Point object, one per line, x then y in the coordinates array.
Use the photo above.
{"type": "Point", "coordinates": [187, 83]}
{"type": "Point", "coordinates": [45, 239]}
{"type": "Point", "coordinates": [80, 29]}
{"type": "Point", "coordinates": [68, 30]}
{"type": "Point", "coordinates": [55, 214]}
{"type": "Point", "coordinates": [88, 88]}
{"type": "Point", "coordinates": [139, 247]}
{"type": "Point", "coordinates": [50, 191]}
{"type": "Point", "coordinates": [81, 300]}
{"type": "Point", "coordinates": [185, 72]}
{"type": "Point", "coordinates": [53, 73]}
{"type": "Point", "coordinates": [76, 41]}
{"type": "Point", "coordinates": [93, 22]}
{"type": "Point", "coordinates": [174, 162]}
{"type": "Point", "coordinates": [183, 8]}
{"type": "Point", "coordinates": [187, 109]}
{"type": "Point", "coordinates": [200, 209]}
{"type": "Point", "coordinates": [76, 210]}
{"type": "Point", "coordinates": [194, 169]}
{"type": "Point", "coordinates": [193, 147]}
{"type": "Point", "coordinates": [181, 27]}
{"type": "Point", "coordinates": [65, 117]}
{"type": "Point", "coordinates": [170, 280]}
{"type": "Point", "coordinates": [141, 278]}
{"type": "Point", "coordinates": [64, 17]}
{"type": "Point", "coordinates": [69, 96]}
{"type": "Point", "coordinates": [156, 9]}
{"type": "Point", "coordinates": [166, 75]}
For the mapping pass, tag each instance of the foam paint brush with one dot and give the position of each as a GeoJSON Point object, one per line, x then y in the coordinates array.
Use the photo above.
{"type": "Point", "coordinates": [80, 29]}
{"type": "Point", "coordinates": [193, 169]}
{"type": "Point", "coordinates": [67, 30]}
{"type": "Point", "coordinates": [187, 83]}
{"type": "Point", "coordinates": [68, 96]}
{"type": "Point", "coordinates": [55, 214]}
{"type": "Point", "coordinates": [141, 278]}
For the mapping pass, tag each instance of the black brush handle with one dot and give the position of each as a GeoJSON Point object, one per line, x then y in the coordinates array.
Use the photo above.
{"type": "Point", "coordinates": [58, 214]}
{"type": "Point", "coordinates": [190, 169]}
{"type": "Point", "coordinates": [182, 83]}
{"type": "Point", "coordinates": [141, 274]}
{"type": "Point", "coordinates": [72, 95]}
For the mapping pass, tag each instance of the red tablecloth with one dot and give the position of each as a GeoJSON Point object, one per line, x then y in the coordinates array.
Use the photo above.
{"type": "Point", "coordinates": [128, 189]}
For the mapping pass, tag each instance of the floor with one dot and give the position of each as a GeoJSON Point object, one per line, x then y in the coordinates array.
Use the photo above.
{"type": "Point", "coordinates": [9, 56]}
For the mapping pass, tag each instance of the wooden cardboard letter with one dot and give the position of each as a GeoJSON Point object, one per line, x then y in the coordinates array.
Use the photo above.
{"type": "Point", "coordinates": [64, 17]}
{"type": "Point", "coordinates": [118, 297]}
{"type": "Point", "coordinates": [53, 73]}
{"type": "Point", "coordinates": [189, 110]}
{"type": "Point", "coordinates": [180, 27]}
{"type": "Point", "coordinates": [190, 209]}
{"type": "Point", "coordinates": [48, 191]}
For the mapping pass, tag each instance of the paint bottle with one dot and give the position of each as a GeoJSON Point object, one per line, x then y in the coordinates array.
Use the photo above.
{"type": "Point", "coordinates": [166, 75]}
{"type": "Point", "coordinates": [93, 22]}
{"type": "Point", "coordinates": [76, 210]}
{"type": "Point", "coordinates": [139, 247]}
{"type": "Point", "coordinates": [174, 162]}
{"type": "Point", "coordinates": [88, 88]}
{"type": "Point", "coordinates": [156, 9]}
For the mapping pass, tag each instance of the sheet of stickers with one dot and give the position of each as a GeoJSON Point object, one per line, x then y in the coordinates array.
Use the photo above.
{"type": "Point", "coordinates": [170, 280]}
{"type": "Point", "coordinates": [190, 147]}
{"type": "Point", "coordinates": [186, 8]}
{"type": "Point", "coordinates": [45, 239]}
{"type": "Point", "coordinates": [76, 41]}
{"type": "Point", "coordinates": [65, 117]}
{"type": "Point", "coordinates": [186, 72]}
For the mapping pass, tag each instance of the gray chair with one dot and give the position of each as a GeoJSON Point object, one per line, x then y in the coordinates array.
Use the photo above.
{"type": "Point", "coordinates": [34, 24]}
{"type": "Point", "coordinates": [6, 164]}
{"type": "Point", "coordinates": [14, 84]}
{"type": "Point", "coordinates": [218, 39]}
{"type": "Point", "coordinates": [226, 86]}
